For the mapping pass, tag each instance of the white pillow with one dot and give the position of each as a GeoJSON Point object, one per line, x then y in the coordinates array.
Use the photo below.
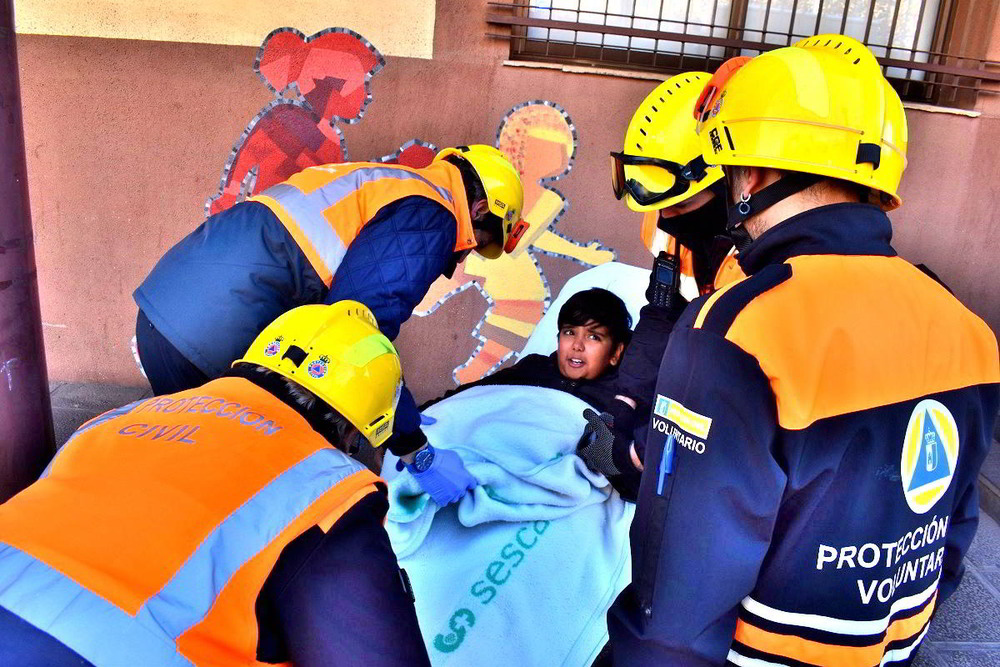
{"type": "Point", "coordinates": [627, 281]}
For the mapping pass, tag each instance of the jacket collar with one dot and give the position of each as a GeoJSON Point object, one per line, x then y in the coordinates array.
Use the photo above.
{"type": "Point", "coordinates": [465, 236]}
{"type": "Point", "coordinates": [835, 229]}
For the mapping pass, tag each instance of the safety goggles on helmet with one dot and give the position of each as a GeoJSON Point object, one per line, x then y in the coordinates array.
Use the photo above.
{"type": "Point", "coordinates": [683, 177]}
{"type": "Point", "coordinates": [662, 127]}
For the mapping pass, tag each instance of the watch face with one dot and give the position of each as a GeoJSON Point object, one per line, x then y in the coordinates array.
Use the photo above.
{"type": "Point", "coordinates": [422, 461]}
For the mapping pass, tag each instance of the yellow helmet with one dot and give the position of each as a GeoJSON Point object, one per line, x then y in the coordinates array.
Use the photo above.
{"type": "Point", "coordinates": [504, 192]}
{"type": "Point", "coordinates": [661, 163]}
{"type": "Point", "coordinates": [820, 106]}
{"type": "Point", "coordinates": [337, 353]}
{"type": "Point", "coordinates": [895, 140]}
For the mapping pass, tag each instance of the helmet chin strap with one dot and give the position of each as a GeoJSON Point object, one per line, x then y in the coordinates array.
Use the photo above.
{"type": "Point", "coordinates": [750, 205]}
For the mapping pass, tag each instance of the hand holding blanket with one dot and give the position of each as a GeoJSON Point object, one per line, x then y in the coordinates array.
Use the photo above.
{"type": "Point", "coordinates": [446, 480]}
{"type": "Point", "coordinates": [523, 569]}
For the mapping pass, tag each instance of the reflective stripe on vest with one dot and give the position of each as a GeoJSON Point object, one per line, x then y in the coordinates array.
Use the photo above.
{"type": "Point", "coordinates": [69, 612]}
{"type": "Point", "coordinates": [325, 207]}
{"type": "Point", "coordinates": [78, 589]}
{"type": "Point", "coordinates": [765, 635]}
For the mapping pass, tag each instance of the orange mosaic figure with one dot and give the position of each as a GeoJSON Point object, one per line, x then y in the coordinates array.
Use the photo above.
{"type": "Point", "coordinates": [540, 139]}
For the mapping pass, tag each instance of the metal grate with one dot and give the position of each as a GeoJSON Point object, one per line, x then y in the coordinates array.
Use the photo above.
{"type": "Point", "coordinates": [932, 51]}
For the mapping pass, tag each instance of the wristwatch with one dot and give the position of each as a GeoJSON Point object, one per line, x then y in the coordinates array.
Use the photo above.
{"type": "Point", "coordinates": [422, 461]}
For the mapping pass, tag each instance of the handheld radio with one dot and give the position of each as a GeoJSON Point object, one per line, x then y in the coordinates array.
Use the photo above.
{"type": "Point", "coordinates": [665, 281]}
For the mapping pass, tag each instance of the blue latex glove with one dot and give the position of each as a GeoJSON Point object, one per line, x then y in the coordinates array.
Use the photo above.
{"type": "Point", "coordinates": [446, 481]}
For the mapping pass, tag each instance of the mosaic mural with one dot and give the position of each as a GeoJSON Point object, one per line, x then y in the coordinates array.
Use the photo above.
{"type": "Point", "coordinates": [323, 80]}
{"type": "Point", "coordinates": [414, 153]}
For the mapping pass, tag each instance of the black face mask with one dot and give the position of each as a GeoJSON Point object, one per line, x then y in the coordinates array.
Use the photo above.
{"type": "Point", "coordinates": [697, 229]}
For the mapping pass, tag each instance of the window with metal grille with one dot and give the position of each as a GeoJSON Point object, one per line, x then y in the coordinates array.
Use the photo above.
{"type": "Point", "coordinates": [932, 51]}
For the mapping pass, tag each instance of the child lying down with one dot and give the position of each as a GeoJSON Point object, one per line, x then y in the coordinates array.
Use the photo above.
{"type": "Point", "coordinates": [494, 565]}
{"type": "Point", "coordinates": [594, 329]}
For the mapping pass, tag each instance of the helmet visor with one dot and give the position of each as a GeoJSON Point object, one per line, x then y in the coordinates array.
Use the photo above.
{"type": "Point", "coordinates": [710, 97]}
{"type": "Point", "coordinates": [663, 178]}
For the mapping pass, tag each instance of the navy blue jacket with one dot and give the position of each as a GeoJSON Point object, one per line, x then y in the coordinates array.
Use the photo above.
{"type": "Point", "coordinates": [539, 370]}
{"type": "Point", "coordinates": [213, 292]}
{"type": "Point", "coordinates": [810, 473]}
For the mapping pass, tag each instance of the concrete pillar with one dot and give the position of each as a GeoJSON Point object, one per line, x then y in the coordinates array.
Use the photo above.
{"type": "Point", "coordinates": [26, 437]}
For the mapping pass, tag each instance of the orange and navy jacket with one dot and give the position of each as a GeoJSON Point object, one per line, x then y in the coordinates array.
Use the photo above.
{"type": "Point", "coordinates": [325, 207]}
{"type": "Point", "coordinates": [810, 474]}
{"type": "Point", "coordinates": [376, 233]}
{"type": "Point", "coordinates": [150, 536]}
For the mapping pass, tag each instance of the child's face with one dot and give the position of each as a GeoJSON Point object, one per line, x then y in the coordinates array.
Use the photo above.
{"type": "Point", "coordinates": [586, 351]}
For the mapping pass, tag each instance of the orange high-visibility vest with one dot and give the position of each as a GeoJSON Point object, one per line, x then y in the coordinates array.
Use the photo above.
{"type": "Point", "coordinates": [325, 207]}
{"type": "Point", "coordinates": [729, 271]}
{"type": "Point", "coordinates": [150, 536]}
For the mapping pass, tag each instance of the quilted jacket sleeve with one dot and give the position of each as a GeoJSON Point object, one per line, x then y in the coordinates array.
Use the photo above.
{"type": "Point", "coordinates": [389, 267]}
{"type": "Point", "coordinates": [391, 264]}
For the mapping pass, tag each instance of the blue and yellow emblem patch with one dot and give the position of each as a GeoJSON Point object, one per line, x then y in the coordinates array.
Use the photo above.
{"type": "Point", "coordinates": [930, 453]}
{"type": "Point", "coordinates": [687, 420]}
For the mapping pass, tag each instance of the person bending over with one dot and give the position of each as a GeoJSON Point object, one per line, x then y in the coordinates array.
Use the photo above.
{"type": "Point", "coordinates": [370, 232]}
{"type": "Point", "coordinates": [225, 525]}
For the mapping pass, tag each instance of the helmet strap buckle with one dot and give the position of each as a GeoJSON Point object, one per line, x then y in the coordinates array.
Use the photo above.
{"type": "Point", "coordinates": [744, 206]}
{"type": "Point", "coordinates": [738, 234]}
{"type": "Point", "coordinates": [786, 186]}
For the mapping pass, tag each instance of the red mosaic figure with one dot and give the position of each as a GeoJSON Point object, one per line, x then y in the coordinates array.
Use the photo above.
{"type": "Point", "coordinates": [318, 82]}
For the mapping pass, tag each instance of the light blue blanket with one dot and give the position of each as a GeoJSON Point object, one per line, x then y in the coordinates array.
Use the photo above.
{"type": "Point", "coordinates": [521, 571]}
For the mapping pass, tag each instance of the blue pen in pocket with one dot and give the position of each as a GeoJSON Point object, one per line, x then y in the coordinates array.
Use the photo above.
{"type": "Point", "coordinates": [666, 464]}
